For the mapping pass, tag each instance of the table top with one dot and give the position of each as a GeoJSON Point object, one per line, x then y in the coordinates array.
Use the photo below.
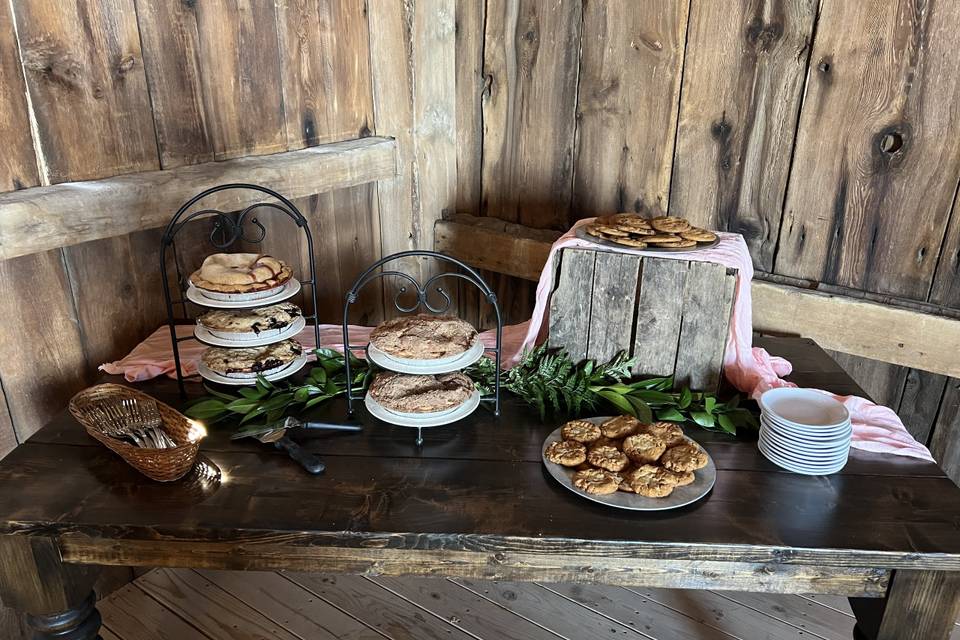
{"type": "Point", "coordinates": [481, 485]}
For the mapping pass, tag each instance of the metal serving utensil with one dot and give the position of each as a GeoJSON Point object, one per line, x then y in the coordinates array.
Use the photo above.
{"type": "Point", "coordinates": [277, 434]}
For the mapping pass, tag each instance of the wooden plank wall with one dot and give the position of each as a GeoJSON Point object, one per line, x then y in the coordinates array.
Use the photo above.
{"type": "Point", "coordinates": [824, 131]}
{"type": "Point", "coordinates": [98, 89]}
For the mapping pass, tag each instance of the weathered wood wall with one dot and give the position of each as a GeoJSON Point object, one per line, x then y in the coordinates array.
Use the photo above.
{"type": "Point", "coordinates": [97, 89]}
{"type": "Point", "coordinates": [825, 131]}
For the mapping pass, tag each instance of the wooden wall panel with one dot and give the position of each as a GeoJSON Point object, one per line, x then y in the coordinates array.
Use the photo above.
{"type": "Point", "coordinates": [742, 85]}
{"type": "Point", "coordinates": [171, 57]}
{"type": "Point", "coordinates": [18, 164]}
{"type": "Point", "coordinates": [868, 203]}
{"type": "Point", "coordinates": [412, 53]}
{"type": "Point", "coordinates": [240, 74]}
{"type": "Point", "coordinates": [325, 71]}
{"type": "Point", "coordinates": [946, 285]}
{"type": "Point", "coordinates": [531, 57]}
{"type": "Point", "coordinates": [945, 443]}
{"type": "Point", "coordinates": [83, 63]}
{"type": "Point", "coordinates": [629, 90]}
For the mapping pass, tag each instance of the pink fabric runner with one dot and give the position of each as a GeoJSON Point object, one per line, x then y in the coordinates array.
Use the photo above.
{"type": "Point", "coordinates": [750, 369]}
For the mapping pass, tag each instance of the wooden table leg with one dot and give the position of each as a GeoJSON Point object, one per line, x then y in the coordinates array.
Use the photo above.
{"type": "Point", "coordinates": [919, 604]}
{"type": "Point", "coordinates": [57, 597]}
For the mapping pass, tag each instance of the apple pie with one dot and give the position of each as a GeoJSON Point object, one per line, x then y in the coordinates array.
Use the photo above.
{"type": "Point", "coordinates": [403, 393]}
{"type": "Point", "coordinates": [240, 273]}
{"type": "Point", "coordinates": [424, 337]}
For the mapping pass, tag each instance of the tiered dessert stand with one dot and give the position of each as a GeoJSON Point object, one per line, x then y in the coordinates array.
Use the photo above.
{"type": "Point", "coordinates": [229, 228]}
{"type": "Point", "coordinates": [423, 367]}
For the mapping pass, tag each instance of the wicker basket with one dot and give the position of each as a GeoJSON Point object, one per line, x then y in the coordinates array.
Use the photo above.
{"type": "Point", "coordinates": [164, 465]}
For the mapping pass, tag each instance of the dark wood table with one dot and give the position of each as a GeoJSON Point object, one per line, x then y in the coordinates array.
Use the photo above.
{"type": "Point", "coordinates": [476, 502]}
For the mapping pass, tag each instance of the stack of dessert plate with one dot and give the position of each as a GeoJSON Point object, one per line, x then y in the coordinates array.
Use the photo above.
{"type": "Point", "coordinates": [804, 431]}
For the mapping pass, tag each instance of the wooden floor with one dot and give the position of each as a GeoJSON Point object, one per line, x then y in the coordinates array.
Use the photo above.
{"type": "Point", "coordinates": [181, 604]}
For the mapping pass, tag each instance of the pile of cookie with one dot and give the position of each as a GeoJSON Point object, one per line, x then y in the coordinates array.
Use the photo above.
{"type": "Point", "coordinates": [633, 230]}
{"type": "Point", "coordinates": [624, 454]}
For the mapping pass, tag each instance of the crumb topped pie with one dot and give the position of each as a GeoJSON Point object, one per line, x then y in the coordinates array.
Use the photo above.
{"type": "Point", "coordinates": [424, 337]}
{"type": "Point", "coordinates": [240, 273]}
{"type": "Point", "coordinates": [247, 362]}
{"type": "Point", "coordinates": [249, 323]}
{"type": "Point", "coordinates": [421, 394]}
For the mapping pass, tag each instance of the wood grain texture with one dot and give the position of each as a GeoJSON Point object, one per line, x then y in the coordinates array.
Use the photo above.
{"type": "Point", "coordinates": [628, 94]}
{"type": "Point", "coordinates": [8, 436]}
{"type": "Point", "coordinates": [296, 609]}
{"type": "Point", "coordinates": [390, 613]}
{"type": "Point", "coordinates": [133, 614]}
{"type": "Point", "coordinates": [35, 580]}
{"type": "Point", "coordinates": [570, 306]}
{"type": "Point", "coordinates": [85, 58]}
{"type": "Point", "coordinates": [945, 442]}
{"type": "Point", "coordinates": [922, 395]}
{"type": "Point", "coordinates": [325, 71]}
{"type": "Point", "coordinates": [470, 89]}
{"type": "Point", "coordinates": [883, 381]}
{"type": "Point", "coordinates": [707, 305]}
{"type": "Point", "coordinates": [480, 242]}
{"type": "Point", "coordinates": [46, 364]}
{"type": "Point", "coordinates": [946, 283]}
{"type": "Point", "coordinates": [877, 135]}
{"type": "Point", "coordinates": [531, 57]}
{"type": "Point", "coordinates": [858, 327]}
{"type": "Point", "coordinates": [614, 293]}
{"type": "Point", "coordinates": [240, 74]}
{"type": "Point", "coordinates": [171, 57]}
{"type": "Point", "coordinates": [38, 219]}
{"type": "Point", "coordinates": [742, 85]}
{"type": "Point", "coordinates": [412, 53]}
{"type": "Point", "coordinates": [921, 604]}
{"type": "Point", "coordinates": [659, 315]}
{"type": "Point", "coordinates": [208, 608]}
{"type": "Point", "coordinates": [18, 163]}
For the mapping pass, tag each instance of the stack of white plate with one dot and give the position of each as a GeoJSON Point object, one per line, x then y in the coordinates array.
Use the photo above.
{"type": "Point", "coordinates": [804, 431]}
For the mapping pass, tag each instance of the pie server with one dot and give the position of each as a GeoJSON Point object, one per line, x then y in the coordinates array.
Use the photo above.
{"type": "Point", "coordinates": [277, 434]}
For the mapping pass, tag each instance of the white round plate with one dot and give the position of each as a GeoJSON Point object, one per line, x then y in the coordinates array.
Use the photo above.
{"type": "Point", "coordinates": [777, 435]}
{"type": "Point", "coordinates": [805, 456]}
{"type": "Point", "coordinates": [435, 419]}
{"type": "Point", "coordinates": [426, 367]}
{"type": "Point", "coordinates": [205, 336]}
{"type": "Point", "coordinates": [287, 291]}
{"type": "Point", "coordinates": [680, 497]}
{"type": "Point", "coordinates": [804, 407]}
{"type": "Point", "coordinates": [279, 374]}
{"type": "Point", "coordinates": [800, 468]}
{"type": "Point", "coordinates": [817, 434]}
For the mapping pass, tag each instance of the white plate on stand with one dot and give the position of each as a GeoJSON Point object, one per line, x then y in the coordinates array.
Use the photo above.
{"type": "Point", "coordinates": [423, 420]}
{"type": "Point", "coordinates": [205, 336]}
{"type": "Point", "coordinates": [426, 367]}
{"type": "Point", "coordinates": [704, 479]}
{"type": "Point", "coordinates": [279, 374]}
{"type": "Point", "coordinates": [287, 291]}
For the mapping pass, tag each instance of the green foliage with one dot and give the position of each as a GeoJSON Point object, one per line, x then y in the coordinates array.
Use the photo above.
{"type": "Point", "coordinates": [548, 380]}
{"type": "Point", "coordinates": [269, 402]}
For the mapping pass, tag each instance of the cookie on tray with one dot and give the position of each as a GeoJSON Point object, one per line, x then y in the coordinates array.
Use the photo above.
{"type": "Point", "coordinates": [630, 242]}
{"type": "Point", "coordinates": [607, 457]}
{"type": "Point", "coordinates": [580, 430]}
{"type": "Point", "coordinates": [679, 243]}
{"type": "Point", "coordinates": [620, 427]}
{"type": "Point", "coordinates": [650, 481]}
{"type": "Point", "coordinates": [596, 481]}
{"type": "Point", "coordinates": [684, 457]}
{"type": "Point", "coordinates": [568, 453]}
{"type": "Point", "coordinates": [662, 238]}
{"type": "Point", "coordinates": [669, 432]}
{"type": "Point", "coordinates": [644, 447]}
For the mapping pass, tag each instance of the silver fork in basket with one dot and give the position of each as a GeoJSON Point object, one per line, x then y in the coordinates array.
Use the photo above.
{"type": "Point", "coordinates": [144, 418]}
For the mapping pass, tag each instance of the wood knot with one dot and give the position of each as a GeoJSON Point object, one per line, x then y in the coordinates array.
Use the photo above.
{"type": "Point", "coordinates": [127, 63]}
{"type": "Point", "coordinates": [52, 62]}
{"type": "Point", "coordinates": [890, 146]}
{"type": "Point", "coordinates": [763, 36]}
{"type": "Point", "coordinates": [720, 129]}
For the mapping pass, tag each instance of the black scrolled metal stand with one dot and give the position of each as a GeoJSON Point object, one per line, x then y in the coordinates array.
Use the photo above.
{"type": "Point", "coordinates": [226, 231]}
{"type": "Point", "coordinates": [422, 300]}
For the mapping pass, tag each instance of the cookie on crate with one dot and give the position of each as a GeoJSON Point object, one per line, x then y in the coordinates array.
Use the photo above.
{"type": "Point", "coordinates": [247, 362]}
{"type": "Point", "coordinates": [669, 224]}
{"type": "Point", "coordinates": [698, 235]}
{"type": "Point", "coordinates": [424, 337]}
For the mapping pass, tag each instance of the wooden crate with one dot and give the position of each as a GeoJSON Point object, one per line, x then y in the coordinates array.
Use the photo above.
{"type": "Point", "coordinates": [672, 315]}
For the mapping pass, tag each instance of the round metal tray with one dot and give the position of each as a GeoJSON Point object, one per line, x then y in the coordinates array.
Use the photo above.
{"type": "Point", "coordinates": [681, 496]}
{"type": "Point", "coordinates": [581, 233]}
